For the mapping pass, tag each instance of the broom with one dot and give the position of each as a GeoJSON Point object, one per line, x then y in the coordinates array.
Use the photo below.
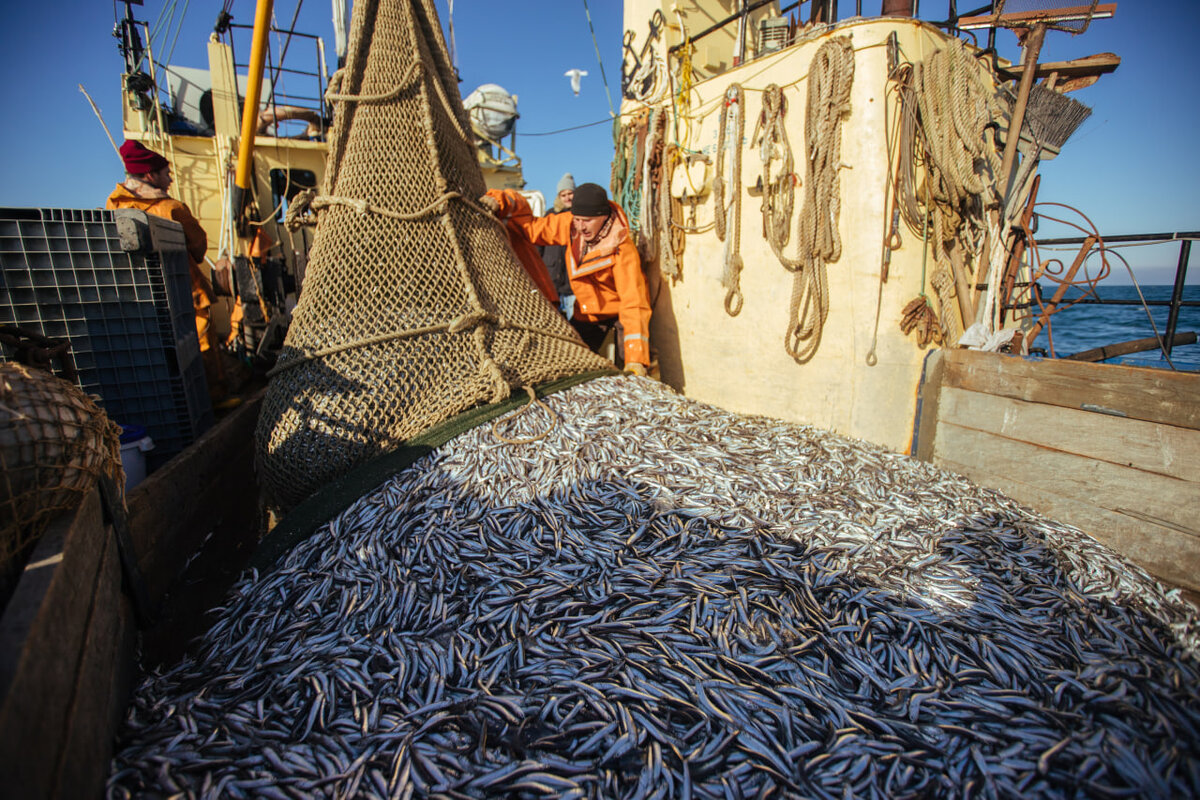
{"type": "Point", "coordinates": [1051, 117]}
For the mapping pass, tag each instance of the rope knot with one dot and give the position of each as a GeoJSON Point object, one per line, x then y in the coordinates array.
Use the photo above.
{"type": "Point", "coordinates": [472, 319]}
{"type": "Point", "coordinates": [298, 210]}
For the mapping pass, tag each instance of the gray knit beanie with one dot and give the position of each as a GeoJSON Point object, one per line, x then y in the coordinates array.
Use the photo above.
{"type": "Point", "coordinates": [565, 184]}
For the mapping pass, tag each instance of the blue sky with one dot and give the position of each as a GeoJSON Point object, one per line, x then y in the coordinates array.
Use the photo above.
{"type": "Point", "coordinates": [1131, 166]}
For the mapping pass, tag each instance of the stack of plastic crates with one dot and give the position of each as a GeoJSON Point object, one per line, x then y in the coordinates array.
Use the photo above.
{"type": "Point", "coordinates": [116, 285]}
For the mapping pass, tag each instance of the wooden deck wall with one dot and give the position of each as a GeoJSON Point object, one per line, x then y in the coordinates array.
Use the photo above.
{"type": "Point", "coordinates": [1112, 450]}
{"type": "Point", "coordinates": [68, 634]}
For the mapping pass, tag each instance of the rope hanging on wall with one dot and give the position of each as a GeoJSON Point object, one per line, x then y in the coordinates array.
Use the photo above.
{"type": "Point", "coordinates": [779, 191]}
{"type": "Point", "coordinates": [729, 137]}
{"type": "Point", "coordinates": [830, 78]}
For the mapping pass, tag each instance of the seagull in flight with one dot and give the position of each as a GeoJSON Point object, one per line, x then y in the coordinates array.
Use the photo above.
{"type": "Point", "coordinates": [575, 75]}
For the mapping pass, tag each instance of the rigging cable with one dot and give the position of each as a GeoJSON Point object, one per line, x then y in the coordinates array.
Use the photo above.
{"type": "Point", "coordinates": [611, 112]}
{"type": "Point", "coordinates": [283, 53]}
{"type": "Point", "coordinates": [171, 52]}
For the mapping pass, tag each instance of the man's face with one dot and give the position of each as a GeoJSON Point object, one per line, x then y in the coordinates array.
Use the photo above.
{"type": "Point", "coordinates": [589, 226]}
{"type": "Point", "coordinates": [565, 197]}
{"type": "Point", "coordinates": [160, 178]}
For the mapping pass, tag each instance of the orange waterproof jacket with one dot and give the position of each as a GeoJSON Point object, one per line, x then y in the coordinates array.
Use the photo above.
{"type": "Point", "coordinates": [194, 236]}
{"type": "Point", "coordinates": [607, 280]}
{"type": "Point", "coordinates": [527, 254]}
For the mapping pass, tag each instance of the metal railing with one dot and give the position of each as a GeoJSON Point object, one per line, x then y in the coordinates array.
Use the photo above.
{"type": "Point", "coordinates": [1176, 302]}
{"type": "Point", "coordinates": [827, 11]}
{"type": "Point", "coordinates": [275, 68]}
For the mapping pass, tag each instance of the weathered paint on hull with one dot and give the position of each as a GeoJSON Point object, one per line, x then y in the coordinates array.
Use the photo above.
{"type": "Point", "coordinates": [739, 362]}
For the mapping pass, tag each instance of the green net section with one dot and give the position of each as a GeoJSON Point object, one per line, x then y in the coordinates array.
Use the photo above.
{"type": "Point", "coordinates": [414, 307]}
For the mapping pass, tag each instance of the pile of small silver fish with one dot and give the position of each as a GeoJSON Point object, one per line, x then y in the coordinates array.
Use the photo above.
{"type": "Point", "coordinates": [663, 599]}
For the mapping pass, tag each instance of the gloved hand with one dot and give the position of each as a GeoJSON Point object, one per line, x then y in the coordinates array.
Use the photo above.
{"type": "Point", "coordinates": [490, 203]}
{"type": "Point", "coordinates": [634, 368]}
{"type": "Point", "coordinates": [566, 304]}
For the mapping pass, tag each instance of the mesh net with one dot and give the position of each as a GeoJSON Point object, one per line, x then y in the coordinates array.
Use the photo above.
{"type": "Point", "coordinates": [414, 307]}
{"type": "Point", "coordinates": [54, 442]}
{"type": "Point", "coordinates": [1073, 17]}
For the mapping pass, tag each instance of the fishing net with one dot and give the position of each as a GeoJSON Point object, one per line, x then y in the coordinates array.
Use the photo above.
{"type": "Point", "coordinates": [1057, 15]}
{"type": "Point", "coordinates": [414, 307]}
{"type": "Point", "coordinates": [54, 442]}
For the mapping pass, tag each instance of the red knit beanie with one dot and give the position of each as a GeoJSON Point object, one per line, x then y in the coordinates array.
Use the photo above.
{"type": "Point", "coordinates": [139, 160]}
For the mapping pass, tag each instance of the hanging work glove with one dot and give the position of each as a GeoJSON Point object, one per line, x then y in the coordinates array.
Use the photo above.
{"type": "Point", "coordinates": [634, 368]}
{"type": "Point", "coordinates": [490, 203]}
{"type": "Point", "coordinates": [566, 304]}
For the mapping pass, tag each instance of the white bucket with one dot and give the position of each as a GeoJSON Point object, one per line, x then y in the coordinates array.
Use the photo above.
{"type": "Point", "coordinates": [134, 444]}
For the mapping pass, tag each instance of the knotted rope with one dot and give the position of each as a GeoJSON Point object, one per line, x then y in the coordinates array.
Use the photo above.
{"type": "Point", "coordinates": [779, 193]}
{"type": "Point", "coordinates": [735, 109]}
{"type": "Point", "coordinates": [948, 108]}
{"type": "Point", "coordinates": [830, 78]}
{"type": "Point", "coordinates": [671, 239]}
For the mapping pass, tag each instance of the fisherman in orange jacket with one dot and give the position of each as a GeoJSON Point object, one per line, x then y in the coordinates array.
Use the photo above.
{"type": "Point", "coordinates": [602, 265]}
{"type": "Point", "coordinates": [147, 178]}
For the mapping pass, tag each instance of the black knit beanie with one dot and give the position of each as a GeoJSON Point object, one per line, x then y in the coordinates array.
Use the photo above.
{"type": "Point", "coordinates": [590, 201]}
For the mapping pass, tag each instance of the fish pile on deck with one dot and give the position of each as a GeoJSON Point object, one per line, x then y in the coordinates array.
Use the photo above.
{"type": "Point", "coordinates": [663, 599]}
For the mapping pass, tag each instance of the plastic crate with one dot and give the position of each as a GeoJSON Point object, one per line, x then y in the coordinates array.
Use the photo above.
{"type": "Point", "coordinates": [116, 284]}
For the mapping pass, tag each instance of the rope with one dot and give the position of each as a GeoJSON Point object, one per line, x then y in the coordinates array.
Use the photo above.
{"type": "Point", "coordinates": [830, 78]}
{"type": "Point", "coordinates": [779, 194]}
{"type": "Point", "coordinates": [599, 60]}
{"type": "Point", "coordinates": [626, 185]}
{"type": "Point", "coordinates": [533, 400]}
{"type": "Point", "coordinates": [947, 107]}
{"type": "Point", "coordinates": [894, 120]}
{"type": "Point", "coordinates": [735, 96]}
{"type": "Point", "coordinates": [472, 320]}
{"type": "Point", "coordinates": [651, 163]}
{"type": "Point", "coordinates": [308, 200]}
{"type": "Point", "coordinates": [382, 97]}
{"type": "Point", "coordinates": [670, 241]}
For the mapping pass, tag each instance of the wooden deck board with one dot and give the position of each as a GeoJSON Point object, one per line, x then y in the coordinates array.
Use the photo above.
{"type": "Point", "coordinates": [1147, 394]}
{"type": "Point", "coordinates": [41, 638]}
{"type": "Point", "coordinates": [1111, 487]}
{"type": "Point", "coordinates": [1160, 449]}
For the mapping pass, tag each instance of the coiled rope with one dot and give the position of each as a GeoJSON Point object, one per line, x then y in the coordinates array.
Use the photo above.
{"type": "Point", "coordinates": [830, 78]}
{"type": "Point", "coordinates": [779, 193]}
{"type": "Point", "coordinates": [670, 209]}
{"type": "Point", "coordinates": [735, 110]}
{"type": "Point", "coordinates": [947, 108]}
{"type": "Point", "coordinates": [655, 129]}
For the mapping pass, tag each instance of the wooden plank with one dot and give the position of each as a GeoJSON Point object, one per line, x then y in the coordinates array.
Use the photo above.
{"type": "Point", "coordinates": [101, 691]}
{"type": "Point", "coordinates": [41, 642]}
{"type": "Point", "coordinates": [1049, 15]}
{"type": "Point", "coordinates": [174, 509]}
{"type": "Point", "coordinates": [1147, 446]}
{"type": "Point", "coordinates": [1165, 553]}
{"type": "Point", "coordinates": [1153, 395]}
{"type": "Point", "coordinates": [929, 400]}
{"type": "Point", "coordinates": [1131, 346]}
{"type": "Point", "coordinates": [1086, 67]}
{"type": "Point", "coordinates": [1108, 486]}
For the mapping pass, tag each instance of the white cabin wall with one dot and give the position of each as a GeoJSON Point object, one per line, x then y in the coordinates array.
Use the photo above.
{"type": "Point", "coordinates": [739, 362]}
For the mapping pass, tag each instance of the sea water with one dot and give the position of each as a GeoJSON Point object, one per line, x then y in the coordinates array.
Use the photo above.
{"type": "Point", "coordinates": [1085, 326]}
